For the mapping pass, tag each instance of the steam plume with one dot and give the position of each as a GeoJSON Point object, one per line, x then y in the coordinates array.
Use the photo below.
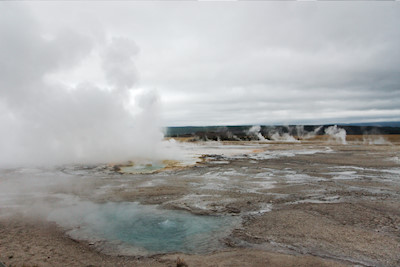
{"type": "Point", "coordinates": [256, 131]}
{"type": "Point", "coordinates": [43, 122]}
{"type": "Point", "coordinates": [336, 134]}
{"type": "Point", "coordinates": [284, 137]}
{"type": "Point", "coordinates": [303, 134]}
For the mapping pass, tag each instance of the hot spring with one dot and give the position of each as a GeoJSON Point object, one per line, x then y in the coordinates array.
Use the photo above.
{"type": "Point", "coordinates": [144, 229]}
{"type": "Point", "coordinates": [143, 168]}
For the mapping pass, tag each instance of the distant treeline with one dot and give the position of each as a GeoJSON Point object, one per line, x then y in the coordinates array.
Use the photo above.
{"type": "Point", "coordinates": [246, 133]}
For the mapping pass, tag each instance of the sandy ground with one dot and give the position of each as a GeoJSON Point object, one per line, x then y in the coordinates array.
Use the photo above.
{"type": "Point", "coordinates": [314, 203]}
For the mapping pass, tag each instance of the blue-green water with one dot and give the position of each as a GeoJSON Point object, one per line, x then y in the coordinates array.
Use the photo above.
{"type": "Point", "coordinates": [149, 228]}
{"type": "Point", "coordinates": [142, 168]}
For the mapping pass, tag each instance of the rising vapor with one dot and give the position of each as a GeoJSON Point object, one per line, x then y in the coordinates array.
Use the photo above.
{"type": "Point", "coordinates": [55, 123]}
{"type": "Point", "coordinates": [336, 134]}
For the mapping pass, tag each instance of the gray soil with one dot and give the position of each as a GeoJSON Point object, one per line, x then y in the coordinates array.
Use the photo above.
{"type": "Point", "coordinates": [302, 204]}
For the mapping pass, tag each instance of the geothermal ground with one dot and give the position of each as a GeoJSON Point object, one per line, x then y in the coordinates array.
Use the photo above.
{"type": "Point", "coordinates": [309, 203]}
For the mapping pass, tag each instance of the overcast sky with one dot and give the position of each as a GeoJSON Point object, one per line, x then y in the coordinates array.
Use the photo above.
{"type": "Point", "coordinates": [210, 63]}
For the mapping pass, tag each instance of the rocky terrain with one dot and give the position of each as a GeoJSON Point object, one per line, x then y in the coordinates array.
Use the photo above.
{"type": "Point", "coordinates": [314, 203]}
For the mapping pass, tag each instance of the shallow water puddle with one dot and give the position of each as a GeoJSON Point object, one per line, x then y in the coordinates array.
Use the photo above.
{"type": "Point", "coordinates": [144, 228]}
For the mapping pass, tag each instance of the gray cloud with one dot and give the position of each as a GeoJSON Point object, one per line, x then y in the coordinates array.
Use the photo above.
{"type": "Point", "coordinates": [244, 63]}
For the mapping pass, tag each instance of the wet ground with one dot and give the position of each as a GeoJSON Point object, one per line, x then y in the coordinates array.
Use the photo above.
{"type": "Point", "coordinates": [314, 203]}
